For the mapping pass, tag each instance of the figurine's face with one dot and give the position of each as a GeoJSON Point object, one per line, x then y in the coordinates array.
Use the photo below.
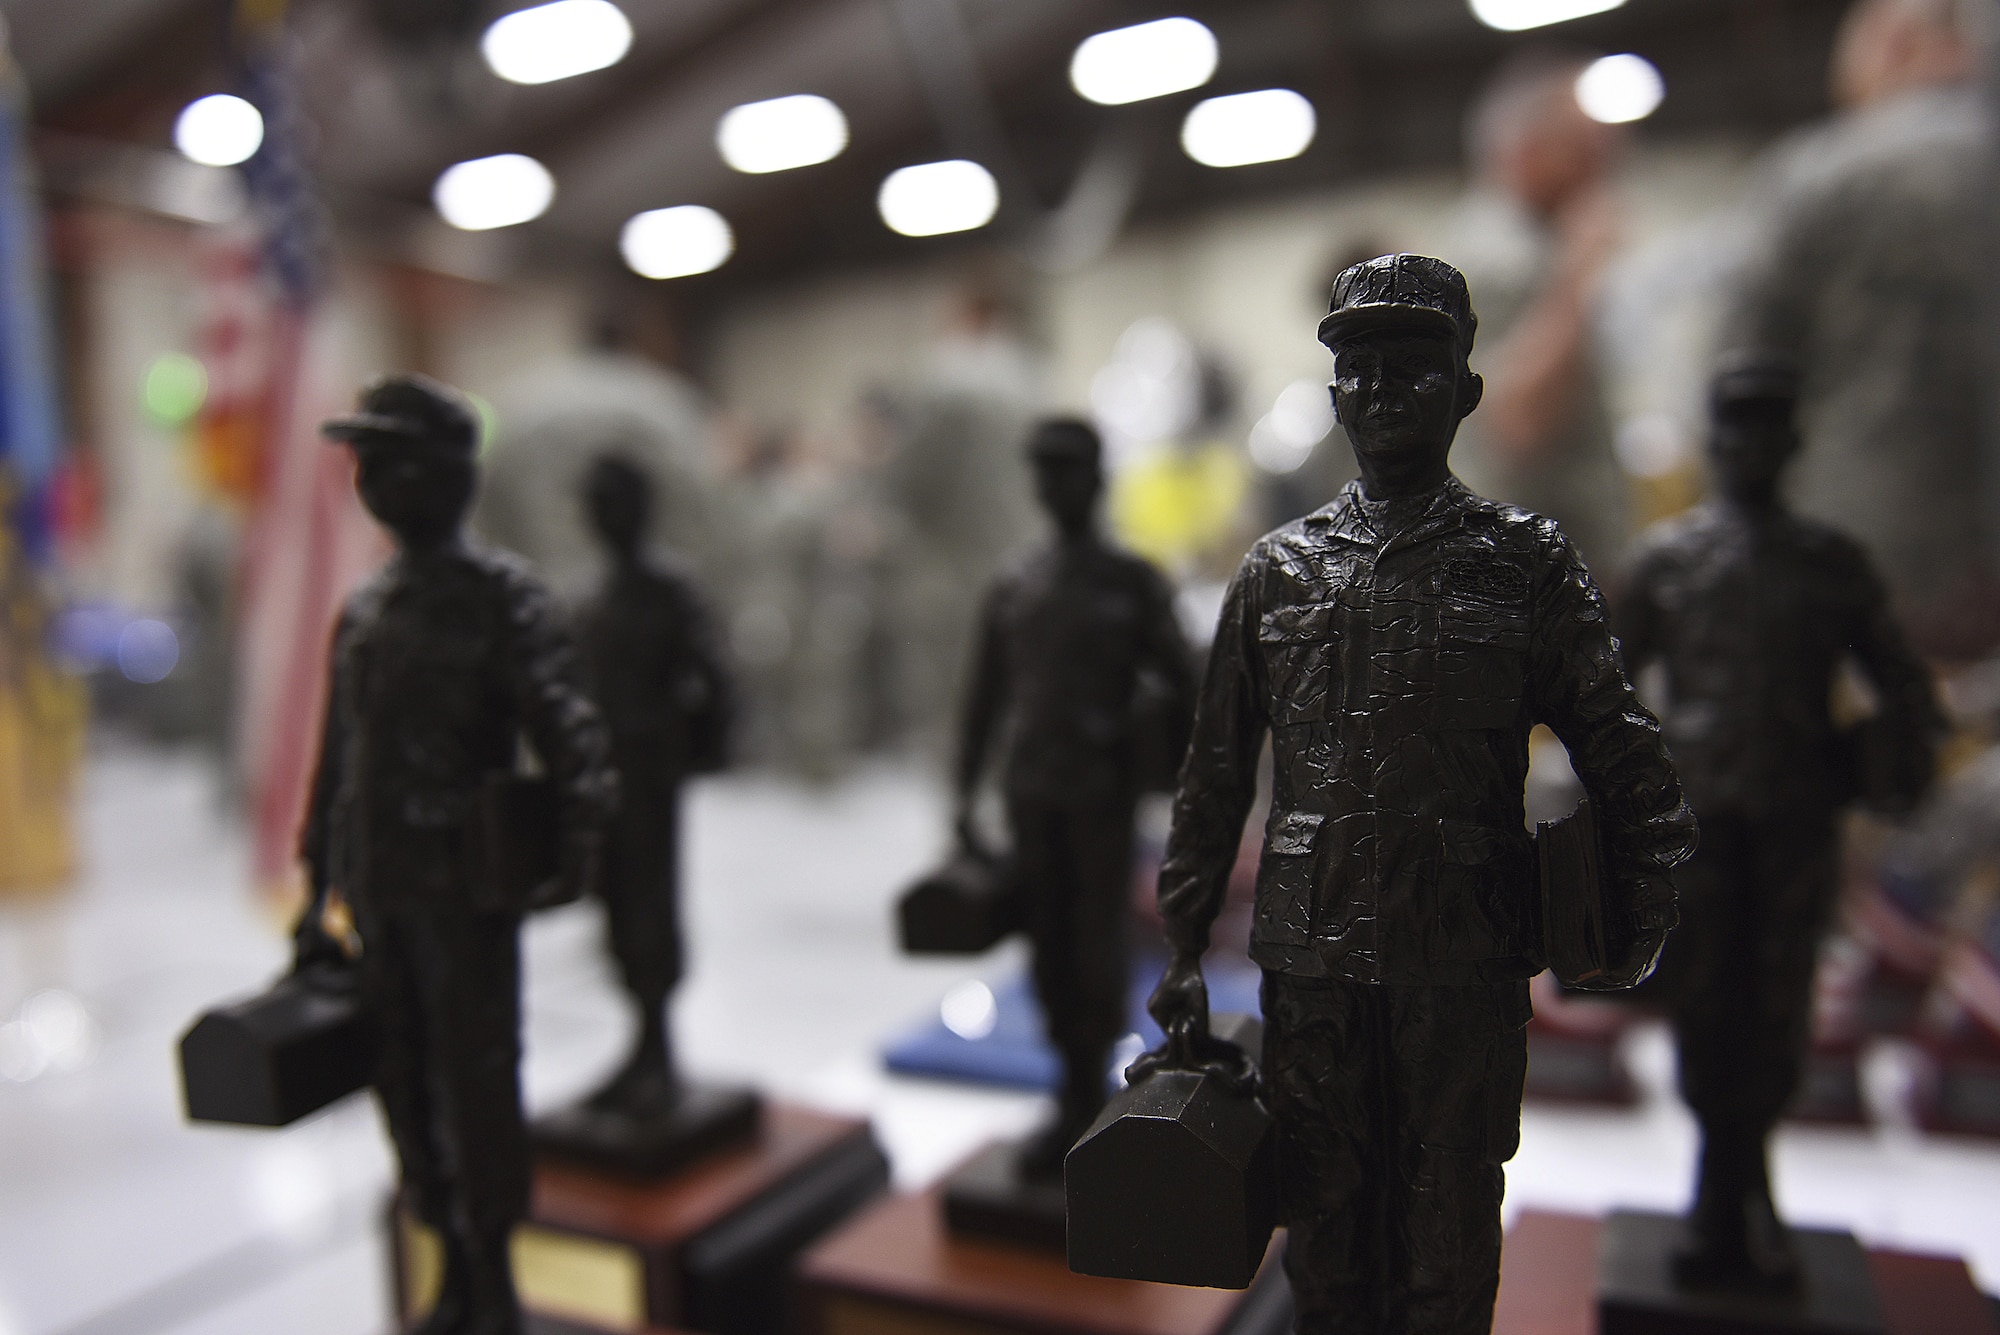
{"type": "Point", "coordinates": [618, 505]}
{"type": "Point", "coordinates": [1400, 393]}
{"type": "Point", "coordinates": [418, 494]}
{"type": "Point", "coordinates": [1068, 489]}
{"type": "Point", "coordinates": [1749, 445]}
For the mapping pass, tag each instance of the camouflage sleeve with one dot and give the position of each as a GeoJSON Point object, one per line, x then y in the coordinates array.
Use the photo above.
{"type": "Point", "coordinates": [1578, 687]}
{"type": "Point", "coordinates": [568, 733]}
{"type": "Point", "coordinates": [1218, 778]}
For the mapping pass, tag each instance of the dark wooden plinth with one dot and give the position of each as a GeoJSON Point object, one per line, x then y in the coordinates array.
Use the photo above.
{"type": "Point", "coordinates": [896, 1270]}
{"type": "Point", "coordinates": [705, 1120]}
{"type": "Point", "coordinates": [538, 1324]}
{"type": "Point", "coordinates": [1548, 1278]}
{"type": "Point", "coordinates": [1636, 1293]}
{"type": "Point", "coordinates": [989, 1199]}
{"type": "Point", "coordinates": [707, 1249]}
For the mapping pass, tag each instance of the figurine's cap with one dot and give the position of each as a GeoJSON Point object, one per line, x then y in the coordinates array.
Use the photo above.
{"type": "Point", "coordinates": [1749, 374]}
{"type": "Point", "coordinates": [1066, 438]}
{"type": "Point", "coordinates": [1406, 290]}
{"type": "Point", "coordinates": [406, 408]}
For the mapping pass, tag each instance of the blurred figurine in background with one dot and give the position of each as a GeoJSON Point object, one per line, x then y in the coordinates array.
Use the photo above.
{"type": "Point", "coordinates": [1398, 645]}
{"type": "Point", "coordinates": [1753, 612]}
{"type": "Point", "coordinates": [1071, 646]}
{"type": "Point", "coordinates": [442, 665]}
{"type": "Point", "coordinates": [1869, 266]}
{"type": "Point", "coordinates": [656, 670]}
{"type": "Point", "coordinates": [1534, 240]}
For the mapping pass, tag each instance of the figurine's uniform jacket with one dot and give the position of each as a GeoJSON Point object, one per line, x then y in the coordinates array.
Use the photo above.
{"type": "Point", "coordinates": [655, 668]}
{"type": "Point", "coordinates": [1066, 643]}
{"type": "Point", "coordinates": [441, 665]}
{"type": "Point", "coordinates": [1399, 654]}
{"type": "Point", "coordinates": [1752, 619]}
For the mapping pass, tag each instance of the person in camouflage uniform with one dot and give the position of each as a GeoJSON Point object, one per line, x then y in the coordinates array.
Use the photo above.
{"type": "Point", "coordinates": [1398, 645]}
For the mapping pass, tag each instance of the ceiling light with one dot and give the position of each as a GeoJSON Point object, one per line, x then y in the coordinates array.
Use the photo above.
{"type": "Point", "coordinates": [499, 191]}
{"type": "Point", "coordinates": [556, 41]}
{"type": "Point", "coordinates": [937, 197]}
{"type": "Point", "coordinates": [219, 130]}
{"type": "Point", "coordinates": [1243, 128]}
{"type": "Point", "coordinates": [1515, 15]}
{"type": "Point", "coordinates": [673, 243]}
{"type": "Point", "coordinates": [1616, 89]}
{"type": "Point", "coordinates": [1142, 61]}
{"type": "Point", "coordinates": [781, 133]}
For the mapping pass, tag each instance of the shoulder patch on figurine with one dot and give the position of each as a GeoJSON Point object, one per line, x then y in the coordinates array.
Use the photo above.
{"type": "Point", "coordinates": [1485, 579]}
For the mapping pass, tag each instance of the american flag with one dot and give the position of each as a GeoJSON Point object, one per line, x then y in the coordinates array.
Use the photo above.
{"type": "Point", "coordinates": [308, 540]}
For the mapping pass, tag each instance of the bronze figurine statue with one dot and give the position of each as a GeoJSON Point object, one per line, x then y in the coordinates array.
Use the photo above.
{"type": "Point", "coordinates": [1752, 611]}
{"type": "Point", "coordinates": [1078, 656]}
{"type": "Point", "coordinates": [1398, 645]}
{"type": "Point", "coordinates": [442, 666]}
{"type": "Point", "coordinates": [655, 665]}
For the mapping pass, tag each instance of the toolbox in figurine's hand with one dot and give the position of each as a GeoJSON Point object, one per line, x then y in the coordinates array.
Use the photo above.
{"type": "Point", "coordinates": [282, 1054]}
{"type": "Point", "coordinates": [1177, 1181]}
{"type": "Point", "coordinates": [962, 908]}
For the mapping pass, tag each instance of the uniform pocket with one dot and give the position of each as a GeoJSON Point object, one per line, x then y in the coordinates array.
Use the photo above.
{"type": "Point", "coordinates": [1285, 877]}
{"type": "Point", "coordinates": [1481, 883]}
{"type": "Point", "coordinates": [1482, 663]}
{"type": "Point", "coordinates": [1299, 645]}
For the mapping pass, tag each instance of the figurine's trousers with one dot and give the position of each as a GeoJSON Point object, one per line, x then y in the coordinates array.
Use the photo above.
{"type": "Point", "coordinates": [1737, 974]}
{"type": "Point", "coordinates": [1396, 1107]}
{"type": "Point", "coordinates": [1075, 869]}
{"type": "Point", "coordinates": [445, 987]}
{"type": "Point", "coordinates": [641, 891]}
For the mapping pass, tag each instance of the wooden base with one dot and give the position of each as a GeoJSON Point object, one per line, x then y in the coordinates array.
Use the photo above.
{"type": "Point", "coordinates": [705, 1120]}
{"type": "Point", "coordinates": [895, 1270]}
{"type": "Point", "coordinates": [1548, 1284]}
{"type": "Point", "coordinates": [1637, 1293]}
{"type": "Point", "coordinates": [706, 1249]}
{"type": "Point", "coordinates": [988, 1198]}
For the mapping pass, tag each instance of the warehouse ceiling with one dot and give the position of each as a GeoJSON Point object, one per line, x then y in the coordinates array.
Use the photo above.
{"type": "Point", "coordinates": [394, 91]}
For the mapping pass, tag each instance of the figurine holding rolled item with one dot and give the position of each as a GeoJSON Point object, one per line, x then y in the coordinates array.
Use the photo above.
{"type": "Point", "coordinates": [1752, 611]}
{"type": "Point", "coordinates": [1399, 644]}
{"type": "Point", "coordinates": [443, 664]}
{"type": "Point", "coordinates": [1069, 643]}
{"type": "Point", "coordinates": [655, 666]}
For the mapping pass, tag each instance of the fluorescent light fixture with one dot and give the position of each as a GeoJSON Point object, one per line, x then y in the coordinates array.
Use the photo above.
{"type": "Point", "coordinates": [673, 243]}
{"type": "Point", "coordinates": [781, 133]}
{"type": "Point", "coordinates": [1616, 89]}
{"type": "Point", "coordinates": [1243, 128]}
{"type": "Point", "coordinates": [219, 130]}
{"type": "Point", "coordinates": [499, 191]}
{"type": "Point", "coordinates": [1142, 61]}
{"type": "Point", "coordinates": [937, 197]}
{"type": "Point", "coordinates": [1516, 15]}
{"type": "Point", "coordinates": [556, 41]}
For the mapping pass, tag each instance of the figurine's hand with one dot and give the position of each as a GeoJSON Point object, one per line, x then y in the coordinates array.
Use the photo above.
{"type": "Point", "coordinates": [575, 877]}
{"type": "Point", "coordinates": [313, 947]}
{"type": "Point", "coordinates": [966, 830]}
{"type": "Point", "coordinates": [1180, 1003]}
{"type": "Point", "coordinates": [1633, 947]}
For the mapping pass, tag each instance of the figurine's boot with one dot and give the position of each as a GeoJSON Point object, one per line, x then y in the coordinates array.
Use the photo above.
{"type": "Point", "coordinates": [1735, 1238]}
{"type": "Point", "coordinates": [491, 1305]}
{"type": "Point", "coordinates": [646, 1082]}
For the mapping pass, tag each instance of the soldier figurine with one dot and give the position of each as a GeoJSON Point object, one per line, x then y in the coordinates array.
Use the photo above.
{"type": "Point", "coordinates": [1069, 647]}
{"type": "Point", "coordinates": [655, 667]}
{"type": "Point", "coordinates": [1399, 644]}
{"type": "Point", "coordinates": [442, 665]}
{"type": "Point", "coordinates": [1752, 611]}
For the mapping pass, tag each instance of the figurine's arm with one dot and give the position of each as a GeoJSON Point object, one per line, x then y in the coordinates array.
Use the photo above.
{"type": "Point", "coordinates": [1580, 690]}
{"type": "Point", "coordinates": [1902, 681]}
{"type": "Point", "coordinates": [712, 676]}
{"type": "Point", "coordinates": [1166, 652]}
{"type": "Point", "coordinates": [1218, 784]}
{"type": "Point", "coordinates": [1635, 617]}
{"type": "Point", "coordinates": [545, 676]}
{"type": "Point", "coordinates": [985, 700]}
{"type": "Point", "coordinates": [311, 943]}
